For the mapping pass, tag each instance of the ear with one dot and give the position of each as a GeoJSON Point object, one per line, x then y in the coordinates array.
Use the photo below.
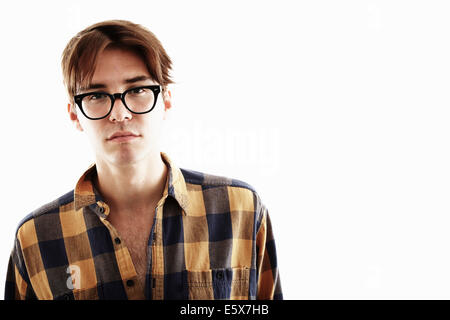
{"type": "Point", "coordinates": [71, 109]}
{"type": "Point", "coordinates": [167, 97]}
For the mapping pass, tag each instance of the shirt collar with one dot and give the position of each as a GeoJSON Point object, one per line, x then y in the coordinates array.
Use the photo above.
{"type": "Point", "coordinates": [85, 194]}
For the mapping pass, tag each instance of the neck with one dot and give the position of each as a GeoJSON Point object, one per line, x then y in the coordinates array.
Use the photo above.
{"type": "Point", "coordinates": [134, 188]}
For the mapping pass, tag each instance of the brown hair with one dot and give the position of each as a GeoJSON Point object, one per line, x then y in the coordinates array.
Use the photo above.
{"type": "Point", "coordinates": [79, 57]}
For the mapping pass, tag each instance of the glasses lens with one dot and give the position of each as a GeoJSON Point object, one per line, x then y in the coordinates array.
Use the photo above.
{"type": "Point", "coordinates": [96, 105]}
{"type": "Point", "coordinates": [140, 99]}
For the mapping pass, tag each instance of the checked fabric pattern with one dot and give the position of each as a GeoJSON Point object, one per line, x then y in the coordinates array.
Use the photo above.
{"type": "Point", "coordinates": [211, 239]}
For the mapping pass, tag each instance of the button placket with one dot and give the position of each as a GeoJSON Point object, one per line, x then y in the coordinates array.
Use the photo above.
{"type": "Point", "coordinates": [157, 256]}
{"type": "Point", "coordinates": [124, 261]}
{"type": "Point", "coordinates": [102, 209]}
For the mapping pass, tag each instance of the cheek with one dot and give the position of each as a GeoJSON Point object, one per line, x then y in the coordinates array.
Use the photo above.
{"type": "Point", "coordinates": [149, 128]}
{"type": "Point", "coordinates": [94, 131]}
{"type": "Point", "coordinates": [154, 119]}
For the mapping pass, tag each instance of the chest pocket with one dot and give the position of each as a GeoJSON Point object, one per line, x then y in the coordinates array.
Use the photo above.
{"type": "Point", "coordinates": [228, 283]}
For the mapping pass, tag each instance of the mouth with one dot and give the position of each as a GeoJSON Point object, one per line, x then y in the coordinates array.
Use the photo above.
{"type": "Point", "coordinates": [122, 136]}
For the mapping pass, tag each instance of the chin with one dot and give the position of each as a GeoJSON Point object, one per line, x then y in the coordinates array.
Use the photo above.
{"type": "Point", "coordinates": [122, 157]}
{"type": "Point", "coordinates": [127, 157]}
{"type": "Point", "coordinates": [125, 154]}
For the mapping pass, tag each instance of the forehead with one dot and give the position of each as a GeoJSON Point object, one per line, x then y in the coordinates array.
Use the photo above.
{"type": "Point", "coordinates": [117, 64]}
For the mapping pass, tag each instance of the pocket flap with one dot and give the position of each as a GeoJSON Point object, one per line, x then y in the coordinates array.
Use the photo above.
{"type": "Point", "coordinates": [224, 283]}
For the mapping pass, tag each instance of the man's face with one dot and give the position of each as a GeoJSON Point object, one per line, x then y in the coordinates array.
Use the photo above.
{"type": "Point", "coordinates": [114, 67]}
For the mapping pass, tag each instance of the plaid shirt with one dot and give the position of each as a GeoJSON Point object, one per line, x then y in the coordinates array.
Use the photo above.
{"type": "Point", "coordinates": [211, 239]}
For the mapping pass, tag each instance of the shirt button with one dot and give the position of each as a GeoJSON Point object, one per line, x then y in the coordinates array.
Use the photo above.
{"type": "Point", "coordinates": [117, 240]}
{"type": "Point", "coordinates": [130, 283]}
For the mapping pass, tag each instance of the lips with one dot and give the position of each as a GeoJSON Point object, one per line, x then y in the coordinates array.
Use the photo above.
{"type": "Point", "coordinates": [122, 136]}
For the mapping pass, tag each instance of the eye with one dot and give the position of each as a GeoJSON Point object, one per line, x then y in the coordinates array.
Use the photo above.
{"type": "Point", "coordinates": [96, 96]}
{"type": "Point", "coordinates": [138, 91]}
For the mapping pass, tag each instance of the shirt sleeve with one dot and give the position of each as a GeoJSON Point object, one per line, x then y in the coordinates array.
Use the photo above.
{"type": "Point", "coordinates": [17, 286]}
{"type": "Point", "coordinates": [269, 284]}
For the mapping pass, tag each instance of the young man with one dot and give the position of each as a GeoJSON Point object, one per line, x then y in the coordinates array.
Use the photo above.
{"type": "Point", "coordinates": [136, 226]}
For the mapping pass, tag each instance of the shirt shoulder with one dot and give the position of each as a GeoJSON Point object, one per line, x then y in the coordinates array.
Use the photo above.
{"type": "Point", "coordinates": [206, 180]}
{"type": "Point", "coordinates": [50, 208]}
{"type": "Point", "coordinates": [220, 194]}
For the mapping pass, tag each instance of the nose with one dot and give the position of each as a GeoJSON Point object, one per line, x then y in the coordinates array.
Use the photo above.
{"type": "Point", "coordinates": [119, 112]}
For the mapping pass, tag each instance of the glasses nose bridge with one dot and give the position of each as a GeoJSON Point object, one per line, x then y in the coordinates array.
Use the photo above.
{"type": "Point", "coordinates": [123, 109]}
{"type": "Point", "coordinates": [118, 96]}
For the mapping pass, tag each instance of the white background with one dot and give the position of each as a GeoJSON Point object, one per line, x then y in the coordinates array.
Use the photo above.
{"type": "Point", "coordinates": [337, 112]}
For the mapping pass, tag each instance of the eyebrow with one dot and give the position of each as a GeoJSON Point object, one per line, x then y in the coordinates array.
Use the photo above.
{"type": "Point", "coordinates": [103, 86]}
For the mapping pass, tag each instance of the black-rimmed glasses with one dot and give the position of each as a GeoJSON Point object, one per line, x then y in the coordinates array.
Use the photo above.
{"type": "Point", "coordinates": [98, 105]}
